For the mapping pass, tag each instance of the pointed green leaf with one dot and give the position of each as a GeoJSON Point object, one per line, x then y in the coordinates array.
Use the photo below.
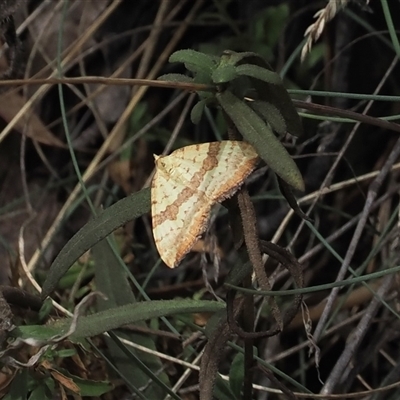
{"type": "Point", "coordinates": [39, 333]}
{"type": "Point", "coordinates": [109, 220]}
{"type": "Point", "coordinates": [222, 390]}
{"type": "Point", "coordinates": [287, 193]}
{"type": "Point", "coordinates": [40, 393]}
{"type": "Point", "coordinates": [236, 374]}
{"type": "Point", "coordinates": [272, 93]}
{"type": "Point", "coordinates": [197, 111]}
{"type": "Point", "coordinates": [224, 73]}
{"type": "Point", "coordinates": [269, 113]}
{"type": "Point", "coordinates": [175, 78]}
{"type": "Point", "coordinates": [279, 97]}
{"type": "Point", "coordinates": [240, 270]}
{"type": "Point", "coordinates": [235, 58]}
{"type": "Point", "coordinates": [256, 72]}
{"type": "Point", "coordinates": [95, 324]}
{"type": "Point", "coordinates": [258, 134]}
{"type": "Point", "coordinates": [110, 277]}
{"type": "Point", "coordinates": [114, 318]}
{"type": "Point", "coordinates": [195, 61]}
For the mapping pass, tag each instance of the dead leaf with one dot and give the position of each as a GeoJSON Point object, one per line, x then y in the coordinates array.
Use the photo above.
{"type": "Point", "coordinates": [121, 173]}
{"type": "Point", "coordinates": [31, 125]}
{"type": "Point", "coordinates": [5, 379]}
{"type": "Point", "coordinates": [62, 392]}
{"type": "Point", "coordinates": [60, 378]}
{"type": "Point", "coordinates": [201, 319]}
{"type": "Point", "coordinates": [65, 381]}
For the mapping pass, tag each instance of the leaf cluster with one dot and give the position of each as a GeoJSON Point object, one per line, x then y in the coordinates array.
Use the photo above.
{"type": "Point", "coordinates": [252, 95]}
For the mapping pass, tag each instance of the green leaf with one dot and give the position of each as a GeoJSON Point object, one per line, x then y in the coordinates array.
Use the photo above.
{"type": "Point", "coordinates": [39, 333]}
{"type": "Point", "coordinates": [224, 73]}
{"type": "Point", "coordinates": [258, 134]}
{"type": "Point", "coordinates": [41, 393]}
{"type": "Point", "coordinates": [240, 270]}
{"type": "Point", "coordinates": [222, 390]}
{"type": "Point", "coordinates": [275, 94]}
{"type": "Point", "coordinates": [45, 310]}
{"type": "Point", "coordinates": [111, 279]}
{"type": "Point", "coordinates": [262, 74]}
{"type": "Point", "coordinates": [50, 385]}
{"type": "Point", "coordinates": [65, 353]}
{"type": "Point", "coordinates": [113, 318]}
{"type": "Point", "coordinates": [195, 61]}
{"type": "Point", "coordinates": [279, 97]}
{"type": "Point", "coordinates": [84, 272]}
{"type": "Point", "coordinates": [108, 221]}
{"type": "Point", "coordinates": [197, 111]}
{"type": "Point", "coordinates": [287, 193]}
{"type": "Point", "coordinates": [234, 58]}
{"type": "Point", "coordinates": [269, 113]}
{"type": "Point", "coordinates": [236, 374]}
{"type": "Point", "coordinates": [95, 324]}
{"type": "Point", "coordinates": [175, 78]}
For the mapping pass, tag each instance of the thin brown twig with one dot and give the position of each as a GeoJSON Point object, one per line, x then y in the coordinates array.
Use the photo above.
{"type": "Point", "coordinates": [357, 335]}
{"type": "Point", "coordinates": [102, 80]}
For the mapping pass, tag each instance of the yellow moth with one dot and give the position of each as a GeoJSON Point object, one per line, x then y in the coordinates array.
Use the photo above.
{"type": "Point", "coordinates": [186, 184]}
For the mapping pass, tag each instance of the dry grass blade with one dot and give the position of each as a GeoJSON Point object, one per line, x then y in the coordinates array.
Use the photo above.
{"type": "Point", "coordinates": [323, 16]}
